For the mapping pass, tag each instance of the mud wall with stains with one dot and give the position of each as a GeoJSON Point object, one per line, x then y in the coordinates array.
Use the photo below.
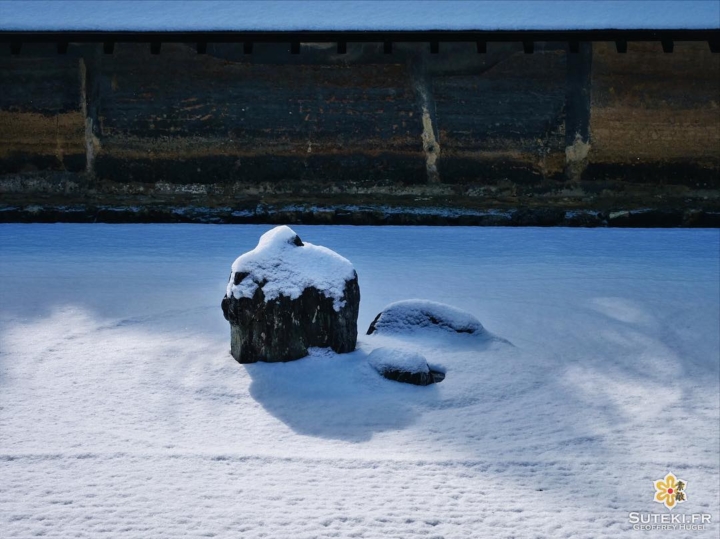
{"type": "Point", "coordinates": [500, 137]}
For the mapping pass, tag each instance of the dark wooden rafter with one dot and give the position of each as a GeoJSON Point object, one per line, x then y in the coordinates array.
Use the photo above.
{"type": "Point", "coordinates": [667, 38]}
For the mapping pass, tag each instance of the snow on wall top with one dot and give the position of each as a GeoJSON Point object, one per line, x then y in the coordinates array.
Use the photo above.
{"type": "Point", "coordinates": [289, 266]}
{"type": "Point", "coordinates": [364, 15]}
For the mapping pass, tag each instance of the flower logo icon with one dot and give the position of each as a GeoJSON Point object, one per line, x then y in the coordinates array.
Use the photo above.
{"type": "Point", "coordinates": [670, 491]}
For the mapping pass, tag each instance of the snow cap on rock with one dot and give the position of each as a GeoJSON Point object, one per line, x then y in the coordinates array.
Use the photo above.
{"type": "Point", "coordinates": [418, 314]}
{"type": "Point", "coordinates": [282, 265]}
{"type": "Point", "coordinates": [396, 359]}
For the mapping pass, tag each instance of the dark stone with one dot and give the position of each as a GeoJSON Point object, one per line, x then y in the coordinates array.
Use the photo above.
{"type": "Point", "coordinates": [282, 329]}
{"type": "Point", "coordinates": [403, 366]}
{"type": "Point", "coordinates": [371, 329]}
{"type": "Point", "coordinates": [538, 217]}
{"type": "Point", "coordinates": [583, 219]}
{"type": "Point", "coordinates": [416, 378]}
{"type": "Point", "coordinates": [646, 219]}
{"type": "Point", "coordinates": [701, 219]}
{"type": "Point", "coordinates": [14, 211]}
{"type": "Point", "coordinates": [438, 376]}
{"type": "Point", "coordinates": [239, 276]}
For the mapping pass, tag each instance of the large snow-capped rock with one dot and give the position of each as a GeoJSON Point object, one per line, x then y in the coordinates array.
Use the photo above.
{"type": "Point", "coordinates": [286, 296]}
{"type": "Point", "coordinates": [414, 315]}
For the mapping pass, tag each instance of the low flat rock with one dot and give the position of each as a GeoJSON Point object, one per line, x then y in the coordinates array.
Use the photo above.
{"type": "Point", "coordinates": [413, 315]}
{"type": "Point", "coordinates": [403, 366]}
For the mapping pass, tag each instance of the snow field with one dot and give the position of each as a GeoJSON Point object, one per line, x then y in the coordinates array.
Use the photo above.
{"type": "Point", "coordinates": [122, 413]}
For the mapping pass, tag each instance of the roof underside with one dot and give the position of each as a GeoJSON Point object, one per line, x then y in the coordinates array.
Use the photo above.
{"type": "Point", "coordinates": [355, 15]}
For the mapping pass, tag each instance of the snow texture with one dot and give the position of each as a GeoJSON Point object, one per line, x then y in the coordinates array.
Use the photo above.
{"type": "Point", "coordinates": [123, 415]}
{"type": "Point", "coordinates": [288, 269]}
{"type": "Point", "coordinates": [412, 315]}
{"type": "Point", "coordinates": [328, 15]}
{"type": "Point", "coordinates": [387, 359]}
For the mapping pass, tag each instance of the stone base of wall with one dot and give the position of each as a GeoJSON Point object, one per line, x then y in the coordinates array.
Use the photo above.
{"type": "Point", "coordinates": [74, 198]}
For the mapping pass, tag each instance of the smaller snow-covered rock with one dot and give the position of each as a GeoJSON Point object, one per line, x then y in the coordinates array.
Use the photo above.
{"type": "Point", "coordinates": [412, 315]}
{"type": "Point", "coordinates": [403, 366]}
{"type": "Point", "coordinates": [394, 358]}
{"type": "Point", "coordinates": [286, 296]}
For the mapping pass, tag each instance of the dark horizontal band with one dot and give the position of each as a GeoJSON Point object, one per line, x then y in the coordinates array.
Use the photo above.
{"type": "Point", "coordinates": [360, 36]}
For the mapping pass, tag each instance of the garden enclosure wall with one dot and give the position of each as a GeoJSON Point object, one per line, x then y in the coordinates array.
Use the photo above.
{"type": "Point", "coordinates": [434, 132]}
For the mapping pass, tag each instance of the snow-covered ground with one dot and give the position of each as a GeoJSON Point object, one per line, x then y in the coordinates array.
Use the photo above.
{"type": "Point", "coordinates": [122, 413]}
{"type": "Point", "coordinates": [319, 15]}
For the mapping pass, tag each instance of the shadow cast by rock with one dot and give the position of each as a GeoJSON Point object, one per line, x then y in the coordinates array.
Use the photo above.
{"type": "Point", "coordinates": [336, 396]}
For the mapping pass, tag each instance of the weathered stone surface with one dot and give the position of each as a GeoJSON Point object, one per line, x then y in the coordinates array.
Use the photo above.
{"type": "Point", "coordinates": [234, 137]}
{"type": "Point", "coordinates": [42, 125]}
{"type": "Point", "coordinates": [27, 211]}
{"type": "Point", "coordinates": [282, 328]}
{"type": "Point", "coordinates": [654, 116]}
{"type": "Point", "coordinates": [415, 378]}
